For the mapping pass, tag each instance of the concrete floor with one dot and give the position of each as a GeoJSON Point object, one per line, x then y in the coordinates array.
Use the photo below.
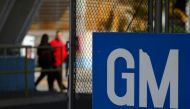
{"type": "Point", "coordinates": [43, 85]}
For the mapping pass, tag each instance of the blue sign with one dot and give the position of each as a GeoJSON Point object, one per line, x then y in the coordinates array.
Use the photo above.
{"type": "Point", "coordinates": [141, 71]}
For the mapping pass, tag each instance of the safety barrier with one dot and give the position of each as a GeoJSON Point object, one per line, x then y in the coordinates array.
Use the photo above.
{"type": "Point", "coordinates": [18, 63]}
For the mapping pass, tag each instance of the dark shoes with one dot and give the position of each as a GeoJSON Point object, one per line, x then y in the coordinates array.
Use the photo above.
{"type": "Point", "coordinates": [63, 88]}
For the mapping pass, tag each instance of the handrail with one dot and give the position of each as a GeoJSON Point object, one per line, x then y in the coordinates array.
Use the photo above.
{"type": "Point", "coordinates": [4, 72]}
{"type": "Point", "coordinates": [25, 46]}
{"type": "Point", "coordinates": [25, 70]}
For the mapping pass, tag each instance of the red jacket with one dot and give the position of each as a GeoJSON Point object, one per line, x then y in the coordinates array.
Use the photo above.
{"type": "Point", "coordinates": [58, 45]}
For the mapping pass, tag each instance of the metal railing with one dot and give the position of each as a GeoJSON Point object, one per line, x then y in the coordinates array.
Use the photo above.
{"type": "Point", "coordinates": [7, 51]}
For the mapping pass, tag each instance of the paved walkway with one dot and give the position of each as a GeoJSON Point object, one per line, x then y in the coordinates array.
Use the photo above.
{"type": "Point", "coordinates": [18, 99]}
{"type": "Point", "coordinates": [43, 86]}
{"type": "Point", "coordinates": [41, 96]}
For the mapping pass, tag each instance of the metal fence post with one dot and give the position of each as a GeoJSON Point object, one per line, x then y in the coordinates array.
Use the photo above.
{"type": "Point", "coordinates": [72, 54]}
{"type": "Point", "coordinates": [167, 9]}
{"type": "Point", "coordinates": [150, 15]}
{"type": "Point", "coordinates": [173, 1]}
{"type": "Point", "coordinates": [158, 16]}
{"type": "Point", "coordinates": [26, 73]}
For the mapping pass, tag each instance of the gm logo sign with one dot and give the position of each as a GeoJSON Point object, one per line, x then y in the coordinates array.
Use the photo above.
{"type": "Point", "coordinates": [147, 80]}
{"type": "Point", "coordinates": [141, 71]}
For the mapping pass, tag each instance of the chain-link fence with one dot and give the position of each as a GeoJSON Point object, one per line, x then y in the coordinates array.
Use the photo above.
{"type": "Point", "coordinates": [114, 16]}
{"type": "Point", "coordinates": [178, 16]}
{"type": "Point", "coordinates": [103, 16]}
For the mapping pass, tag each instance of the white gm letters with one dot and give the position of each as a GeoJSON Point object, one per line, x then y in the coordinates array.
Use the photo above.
{"type": "Point", "coordinates": [147, 79]}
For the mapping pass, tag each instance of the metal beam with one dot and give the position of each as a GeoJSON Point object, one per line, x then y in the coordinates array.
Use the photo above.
{"type": "Point", "coordinates": [167, 7]}
{"type": "Point", "coordinates": [173, 3]}
{"type": "Point", "coordinates": [28, 21]}
{"type": "Point", "coordinates": [72, 54]}
{"type": "Point", "coordinates": [5, 8]}
{"type": "Point", "coordinates": [18, 21]}
{"type": "Point", "coordinates": [158, 16]}
{"type": "Point", "coordinates": [150, 15]}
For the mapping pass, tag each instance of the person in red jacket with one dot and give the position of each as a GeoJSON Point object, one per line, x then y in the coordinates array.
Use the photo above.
{"type": "Point", "coordinates": [60, 54]}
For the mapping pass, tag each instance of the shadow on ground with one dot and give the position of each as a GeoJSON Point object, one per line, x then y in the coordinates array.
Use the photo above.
{"type": "Point", "coordinates": [43, 100]}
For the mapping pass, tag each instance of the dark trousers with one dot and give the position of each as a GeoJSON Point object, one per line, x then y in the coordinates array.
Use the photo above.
{"type": "Point", "coordinates": [42, 75]}
{"type": "Point", "coordinates": [56, 75]}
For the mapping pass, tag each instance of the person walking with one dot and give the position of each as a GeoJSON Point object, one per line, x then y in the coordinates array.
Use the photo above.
{"type": "Point", "coordinates": [45, 59]}
{"type": "Point", "coordinates": [60, 54]}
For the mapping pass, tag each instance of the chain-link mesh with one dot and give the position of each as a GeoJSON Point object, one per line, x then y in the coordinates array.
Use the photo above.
{"type": "Point", "coordinates": [103, 16]}
{"type": "Point", "coordinates": [178, 16]}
